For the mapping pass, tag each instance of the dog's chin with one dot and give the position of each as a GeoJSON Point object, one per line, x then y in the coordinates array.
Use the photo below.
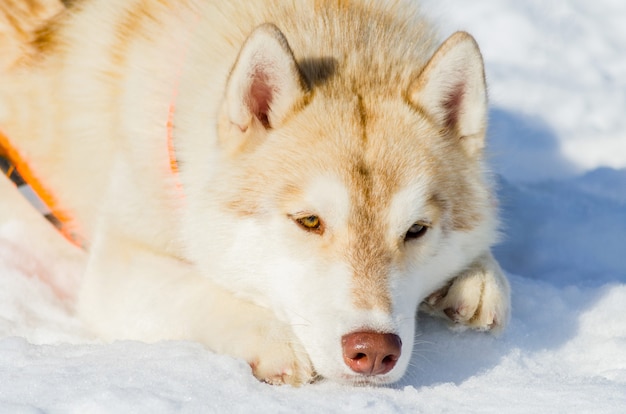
{"type": "Point", "coordinates": [365, 381]}
{"type": "Point", "coordinates": [361, 380]}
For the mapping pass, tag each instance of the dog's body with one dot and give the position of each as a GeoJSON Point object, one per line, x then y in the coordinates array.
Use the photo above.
{"type": "Point", "coordinates": [285, 183]}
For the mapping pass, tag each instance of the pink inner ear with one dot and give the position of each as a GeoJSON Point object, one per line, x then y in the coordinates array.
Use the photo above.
{"type": "Point", "coordinates": [452, 105]}
{"type": "Point", "coordinates": [260, 96]}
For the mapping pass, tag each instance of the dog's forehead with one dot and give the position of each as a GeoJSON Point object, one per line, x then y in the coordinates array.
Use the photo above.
{"type": "Point", "coordinates": [387, 145]}
{"type": "Point", "coordinates": [359, 152]}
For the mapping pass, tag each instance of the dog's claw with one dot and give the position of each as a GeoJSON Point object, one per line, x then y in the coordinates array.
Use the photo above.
{"type": "Point", "coordinates": [451, 313]}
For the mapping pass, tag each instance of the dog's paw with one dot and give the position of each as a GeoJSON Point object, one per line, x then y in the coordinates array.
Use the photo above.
{"type": "Point", "coordinates": [278, 358]}
{"type": "Point", "coordinates": [478, 298]}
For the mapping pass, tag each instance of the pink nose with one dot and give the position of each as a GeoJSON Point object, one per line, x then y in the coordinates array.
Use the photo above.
{"type": "Point", "coordinates": [371, 353]}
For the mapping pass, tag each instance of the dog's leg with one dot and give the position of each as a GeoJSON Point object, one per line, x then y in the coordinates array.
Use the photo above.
{"type": "Point", "coordinates": [24, 226]}
{"type": "Point", "coordinates": [133, 293]}
{"type": "Point", "coordinates": [478, 298]}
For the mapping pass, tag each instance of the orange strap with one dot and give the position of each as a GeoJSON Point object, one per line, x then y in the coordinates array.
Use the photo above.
{"type": "Point", "coordinates": [170, 137]}
{"type": "Point", "coordinates": [181, 57]}
{"type": "Point", "coordinates": [18, 162]}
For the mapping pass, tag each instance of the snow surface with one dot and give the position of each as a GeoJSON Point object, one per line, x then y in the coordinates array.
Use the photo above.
{"type": "Point", "coordinates": [557, 75]}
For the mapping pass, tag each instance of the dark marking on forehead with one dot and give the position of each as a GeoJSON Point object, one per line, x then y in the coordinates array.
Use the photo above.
{"type": "Point", "coordinates": [318, 71]}
{"type": "Point", "coordinates": [362, 117]}
{"type": "Point", "coordinates": [362, 177]}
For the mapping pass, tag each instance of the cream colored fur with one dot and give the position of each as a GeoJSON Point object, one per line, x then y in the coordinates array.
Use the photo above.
{"type": "Point", "coordinates": [346, 111]}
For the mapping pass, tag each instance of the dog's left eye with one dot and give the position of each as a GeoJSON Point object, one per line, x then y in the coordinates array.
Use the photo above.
{"type": "Point", "coordinates": [416, 231]}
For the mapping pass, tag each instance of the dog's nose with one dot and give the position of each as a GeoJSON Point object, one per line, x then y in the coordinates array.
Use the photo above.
{"type": "Point", "coordinates": [371, 353]}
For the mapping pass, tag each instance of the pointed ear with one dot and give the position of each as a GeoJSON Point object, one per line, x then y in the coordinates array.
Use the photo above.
{"type": "Point", "coordinates": [451, 90]}
{"type": "Point", "coordinates": [265, 83]}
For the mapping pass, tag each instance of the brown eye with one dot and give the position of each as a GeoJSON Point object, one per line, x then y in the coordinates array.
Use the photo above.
{"type": "Point", "coordinates": [416, 231]}
{"type": "Point", "coordinates": [310, 223]}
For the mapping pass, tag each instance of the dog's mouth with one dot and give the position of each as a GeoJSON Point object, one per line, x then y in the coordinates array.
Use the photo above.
{"type": "Point", "coordinates": [367, 380]}
{"type": "Point", "coordinates": [355, 380]}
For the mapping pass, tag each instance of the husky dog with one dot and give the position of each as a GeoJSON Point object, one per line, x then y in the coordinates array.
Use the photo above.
{"type": "Point", "coordinates": [285, 182]}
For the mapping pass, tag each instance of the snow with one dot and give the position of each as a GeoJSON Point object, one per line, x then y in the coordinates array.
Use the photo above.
{"type": "Point", "coordinates": [556, 71]}
{"type": "Point", "coordinates": [557, 75]}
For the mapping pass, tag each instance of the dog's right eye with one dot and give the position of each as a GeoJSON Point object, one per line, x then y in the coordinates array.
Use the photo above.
{"type": "Point", "coordinates": [310, 223]}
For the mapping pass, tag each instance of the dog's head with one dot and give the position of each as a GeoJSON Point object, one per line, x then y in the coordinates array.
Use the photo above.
{"type": "Point", "coordinates": [341, 204]}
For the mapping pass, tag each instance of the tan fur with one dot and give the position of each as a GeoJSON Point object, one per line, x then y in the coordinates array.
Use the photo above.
{"type": "Point", "coordinates": [21, 22]}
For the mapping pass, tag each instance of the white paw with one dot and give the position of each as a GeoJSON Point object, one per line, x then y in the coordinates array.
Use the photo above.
{"type": "Point", "coordinates": [478, 298]}
{"type": "Point", "coordinates": [278, 358]}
